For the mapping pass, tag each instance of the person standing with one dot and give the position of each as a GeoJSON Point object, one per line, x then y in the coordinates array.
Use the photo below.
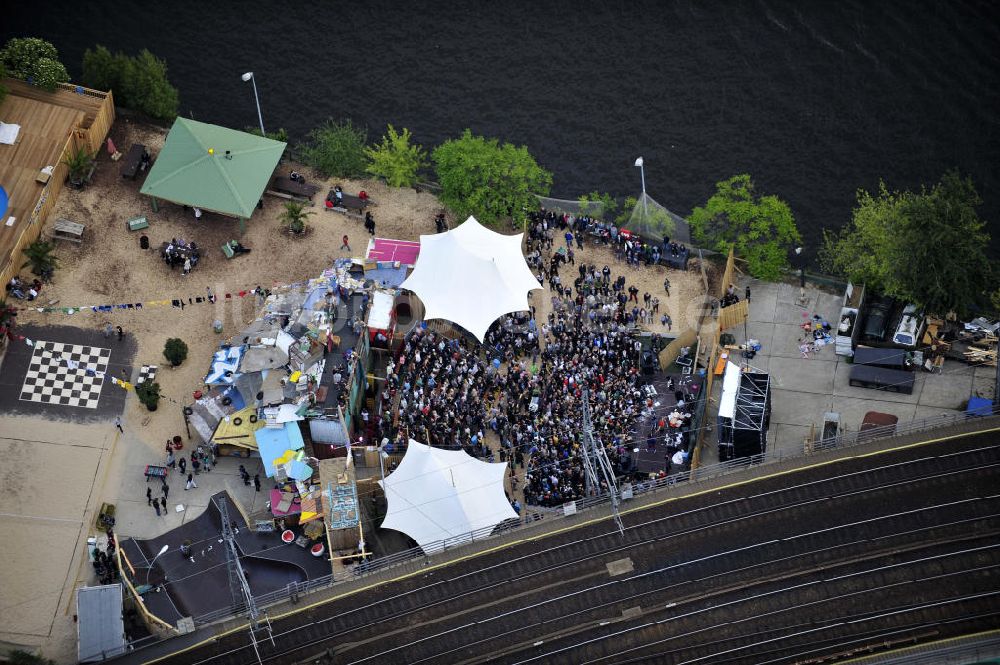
{"type": "Point", "coordinates": [121, 333]}
{"type": "Point", "coordinates": [187, 266]}
{"type": "Point", "coordinates": [156, 507]}
{"type": "Point", "coordinates": [666, 286]}
{"type": "Point", "coordinates": [149, 496]}
{"type": "Point", "coordinates": [345, 244]}
{"type": "Point", "coordinates": [118, 424]}
{"type": "Point", "coordinates": [108, 330]}
{"type": "Point", "coordinates": [256, 482]}
{"type": "Point", "coordinates": [163, 504]}
{"type": "Point", "coordinates": [195, 464]}
{"type": "Point", "coordinates": [171, 462]}
{"type": "Point", "coordinates": [569, 239]}
{"type": "Point", "coordinates": [190, 482]}
{"type": "Point", "coordinates": [166, 491]}
{"type": "Point", "coordinates": [182, 465]}
{"type": "Point", "coordinates": [748, 293]}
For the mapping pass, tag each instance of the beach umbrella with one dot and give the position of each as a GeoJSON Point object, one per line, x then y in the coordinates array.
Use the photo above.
{"type": "Point", "coordinates": [3, 202]}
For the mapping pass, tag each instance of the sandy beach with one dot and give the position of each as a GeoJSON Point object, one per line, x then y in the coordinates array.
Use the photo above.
{"type": "Point", "coordinates": [110, 268]}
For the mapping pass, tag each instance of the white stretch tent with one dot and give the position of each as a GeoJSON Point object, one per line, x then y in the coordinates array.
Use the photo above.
{"type": "Point", "coordinates": [437, 494]}
{"type": "Point", "coordinates": [730, 386]}
{"type": "Point", "coordinates": [471, 276]}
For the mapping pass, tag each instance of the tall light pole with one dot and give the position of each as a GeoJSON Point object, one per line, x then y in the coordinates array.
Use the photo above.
{"type": "Point", "coordinates": [249, 77]}
{"type": "Point", "coordinates": [163, 550]}
{"type": "Point", "coordinates": [642, 173]}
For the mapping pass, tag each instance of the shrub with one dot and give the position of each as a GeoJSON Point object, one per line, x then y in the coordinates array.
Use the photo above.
{"type": "Point", "coordinates": [295, 216]}
{"type": "Point", "coordinates": [79, 163]}
{"type": "Point", "coordinates": [598, 205]}
{"type": "Point", "coordinates": [336, 149]}
{"type": "Point", "coordinates": [39, 257]}
{"type": "Point", "coordinates": [175, 351]}
{"type": "Point", "coordinates": [280, 135]}
{"type": "Point", "coordinates": [395, 159]}
{"type": "Point", "coordinates": [148, 393]}
{"type": "Point", "coordinates": [139, 83]}
{"type": "Point", "coordinates": [35, 60]}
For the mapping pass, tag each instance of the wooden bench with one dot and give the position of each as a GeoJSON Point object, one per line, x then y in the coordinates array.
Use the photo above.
{"type": "Point", "coordinates": [228, 251]}
{"type": "Point", "coordinates": [355, 204]}
{"type": "Point", "coordinates": [292, 188]}
{"type": "Point", "coordinates": [137, 223]}
{"type": "Point", "coordinates": [63, 229]}
{"type": "Point", "coordinates": [133, 161]}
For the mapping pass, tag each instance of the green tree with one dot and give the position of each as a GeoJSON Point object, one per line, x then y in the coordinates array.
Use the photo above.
{"type": "Point", "coordinates": [336, 149]}
{"type": "Point", "coordinates": [598, 205]}
{"type": "Point", "coordinates": [175, 351]}
{"type": "Point", "coordinates": [481, 177]}
{"type": "Point", "coordinates": [35, 60]}
{"type": "Point", "coordinates": [39, 257]}
{"type": "Point", "coordinates": [295, 216]}
{"type": "Point", "coordinates": [761, 229]}
{"type": "Point", "coordinates": [626, 213]}
{"type": "Point", "coordinates": [396, 159]}
{"type": "Point", "coordinates": [139, 83]}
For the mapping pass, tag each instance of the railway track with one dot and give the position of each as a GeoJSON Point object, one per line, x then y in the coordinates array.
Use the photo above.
{"type": "Point", "coordinates": [884, 550]}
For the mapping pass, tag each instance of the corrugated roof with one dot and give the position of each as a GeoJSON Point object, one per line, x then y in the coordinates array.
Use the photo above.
{"type": "Point", "coordinates": [100, 624]}
{"type": "Point", "coordinates": [231, 183]}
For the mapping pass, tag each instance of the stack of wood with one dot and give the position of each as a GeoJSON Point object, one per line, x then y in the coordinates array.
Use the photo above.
{"type": "Point", "coordinates": [983, 351]}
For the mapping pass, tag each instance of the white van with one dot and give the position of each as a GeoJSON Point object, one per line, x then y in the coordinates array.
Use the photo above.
{"type": "Point", "coordinates": [909, 327]}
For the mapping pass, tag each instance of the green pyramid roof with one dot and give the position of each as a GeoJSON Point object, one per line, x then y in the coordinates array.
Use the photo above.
{"type": "Point", "coordinates": [186, 172]}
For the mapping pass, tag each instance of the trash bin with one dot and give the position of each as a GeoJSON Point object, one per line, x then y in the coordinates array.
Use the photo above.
{"type": "Point", "coordinates": [143, 242]}
{"type": "Point", "coordinates": [217, 326]}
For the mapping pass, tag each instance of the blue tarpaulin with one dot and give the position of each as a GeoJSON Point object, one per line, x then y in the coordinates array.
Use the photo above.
{"type": "Point", "coordinates": [272, 442]}
{"type": "Point", "coordinates": [979, 406]}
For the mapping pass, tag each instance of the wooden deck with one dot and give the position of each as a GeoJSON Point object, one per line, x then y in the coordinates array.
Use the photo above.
{"type": "Point", "coordinates": [89, 102]}
{"type": "Point", "coordinates": [46, 130]}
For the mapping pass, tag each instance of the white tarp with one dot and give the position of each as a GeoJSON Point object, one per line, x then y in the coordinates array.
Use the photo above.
{"type": "Point", "coordinates": [438, 494]}
{"type": "Point", "coordinates": [730, 386]}
{"type": "Point", "coordinates": [471, 276]}
{"type": "Point", "coordinates": [380, 314]}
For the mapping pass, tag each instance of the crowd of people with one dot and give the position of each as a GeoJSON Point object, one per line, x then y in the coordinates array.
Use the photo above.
{"type": "Point", "coordinates": [181, 253]}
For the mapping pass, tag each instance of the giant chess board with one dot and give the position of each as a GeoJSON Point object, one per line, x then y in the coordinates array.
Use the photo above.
{"type": "Point", "coordinates": [65, 374]}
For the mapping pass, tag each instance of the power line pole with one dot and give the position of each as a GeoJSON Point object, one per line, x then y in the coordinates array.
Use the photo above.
{"type": "Point", "coordinates": [596, 456]}
{"type": "Point", "coordinates": [238, 585]}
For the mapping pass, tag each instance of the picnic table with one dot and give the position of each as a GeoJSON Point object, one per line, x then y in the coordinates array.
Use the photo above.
{"type": "Point", "coordinates": [347, 203]}
{"type": "Point", "coordinates": [134, 161]}
{"type": "Point", "coordinates": [293, 188]}
{"type": "Point", "coordinates": [63, 229]}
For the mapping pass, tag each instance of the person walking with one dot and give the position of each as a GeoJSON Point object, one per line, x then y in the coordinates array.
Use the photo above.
{"type": "Point", "coordinates": [256, 482]}
{"type": "Point", "coordinates": [118, 424]}
{"type": "Point", "coordinates": [668, 322]}
{"type": "Point", "coordinates": [666, 286]}
{"type": "Point", "coordinates": [195, 464]}
{"type": "Point", "coordinates": [182, 465]}
{"type": "Point", "coordinates": [156, 507]}
{"type": "Point", "coordinates": [190, 482]}
{"type": "Point", "coordinates": [108, 330]}
{"type": "Point", "coordinates": [569, 240]}
{"type": "Point", "coordinates": [149, 496]}
{"type": "Point", "coordinates": [187, 266]}
{"type": "Point", "coordinates": [171, 461]}
{"type": "Point", "coordinates": [163, 504]}
{"type": "Point", "coordinates": [166, 490]}
{"type": "Point", "coordinates": [345, 244]}
{"type": "Point", "coordinates": [121, 333]}
{"type": "Point", "coordinates": [748, 293]}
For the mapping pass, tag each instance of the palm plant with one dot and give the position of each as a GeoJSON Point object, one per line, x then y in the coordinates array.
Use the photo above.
{"type": "Point", "coordinates": [295, 216]}
{"type": "Point", "coordinates": [39, 257]}
{"type": "Point", "coordinates": [79, 164]}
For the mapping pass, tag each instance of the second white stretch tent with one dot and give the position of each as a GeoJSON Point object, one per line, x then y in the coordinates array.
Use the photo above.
{"type": "Point", "coordinates": [439, 494]}
{"type": "Point", "coordinates": [471, 276]}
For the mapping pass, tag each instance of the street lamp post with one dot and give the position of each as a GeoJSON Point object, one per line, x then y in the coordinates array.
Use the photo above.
{"type": "Point", "coordinates": [802, 275]}
{"type": "Point", "coordinates": [642, 174]}
{"type": "Point", "coordinates": [162, 551]}
{"type": "Point", "coordinates": [249, 77]}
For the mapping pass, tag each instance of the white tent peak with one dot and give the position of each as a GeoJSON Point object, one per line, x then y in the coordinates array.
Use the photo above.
{"type": "Point", "coordinates": [471, 276]}
{"type": "Point", "coordinates": [437, 494]}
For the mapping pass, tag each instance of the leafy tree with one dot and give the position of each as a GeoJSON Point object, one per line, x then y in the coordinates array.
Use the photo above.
{"type": "Point", "coordinates": [39, 257]}
{"type": "Point", "coordinates": [481, 177]}
{"type": "Point", "coordinates": [928, 248]}
{"type": "Point", "coordinates": [761, 229]}
{"type": "Point", "coordinates": [396, 159]}
{"type": "Point", "coordinates": [336, 149]}
{"type": "Point", "coordinates": [148, 393]}
{"type": "Point", "coordinates": [596, 204]}
{"type": "Point", "coordinates": [35, 60]}
{"type": "Point", "coordinates": [175, 351]}
{"type": "Point", "coordinates": [295, 216]}
{"type": "Point", "coordinates": [626, 214]}
{"type": "Point", "coordinates": [280, 135]}
{"type": "Point", "coordinates": [139, 82]}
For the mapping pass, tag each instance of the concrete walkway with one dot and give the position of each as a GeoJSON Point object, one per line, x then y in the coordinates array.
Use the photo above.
{"type": "Point", "coordinates": [803, 389]}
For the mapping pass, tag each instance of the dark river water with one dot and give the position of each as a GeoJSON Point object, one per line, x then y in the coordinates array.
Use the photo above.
{"type": "Point", "coordinates": [814, 99]}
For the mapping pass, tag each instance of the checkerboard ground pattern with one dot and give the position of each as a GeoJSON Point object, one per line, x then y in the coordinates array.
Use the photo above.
{"type": "Point", "coordinates": [147, 373]}
{"type": "Point", "coordinates": [50, 380]}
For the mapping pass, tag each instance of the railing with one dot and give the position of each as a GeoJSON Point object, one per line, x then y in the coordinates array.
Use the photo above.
{"type": "Point", "coordinates": [532, 515]}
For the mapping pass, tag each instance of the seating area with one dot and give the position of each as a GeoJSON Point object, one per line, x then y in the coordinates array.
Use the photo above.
{"type": "Point", "coordinates": [137, 159]}
{"type": "Point", "coordinates": [295, 189]}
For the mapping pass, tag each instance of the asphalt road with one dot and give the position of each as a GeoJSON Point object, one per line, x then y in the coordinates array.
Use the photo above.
{"type": "Point", "coordinates": [866, 553]}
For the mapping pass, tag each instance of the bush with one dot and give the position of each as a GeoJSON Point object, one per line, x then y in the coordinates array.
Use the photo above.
{"type": "Point", "coordinates": [490, 180]}
{"type": "Point", "coordinates": [336, 149]}
{"type": "Point", "coordinates": [39, 257]}
{"type": "Point", "coordinates": [175, 351]}
{"type": "Point", "coordinates": [395, 159]}
{"type": "Point", "coordinates": [280, 135]}
{"type": "Point", "coordinates": [35, 60]}
{"type": "Point", "coordinates": [598, 205]}
{"type": "Point", "coordinates": [148, 393]}
{"type": "Point", "coordinates": [295, 216]}
{"type": "Point", "coordinates": [139, 83]}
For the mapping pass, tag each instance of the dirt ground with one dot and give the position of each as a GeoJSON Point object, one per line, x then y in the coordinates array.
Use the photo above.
{"type": "Point", "coordinates": [110, 268]}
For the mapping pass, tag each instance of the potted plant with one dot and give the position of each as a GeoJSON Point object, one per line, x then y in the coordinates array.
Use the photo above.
{"type": "Point", "coordinates": [81, 167]}
{"type": "Point", "coordinates": [175, 351]}
{"type": "Point", "coordinates": [148, 393]}
{"type": "Point", "coordinates": [295, 217]}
